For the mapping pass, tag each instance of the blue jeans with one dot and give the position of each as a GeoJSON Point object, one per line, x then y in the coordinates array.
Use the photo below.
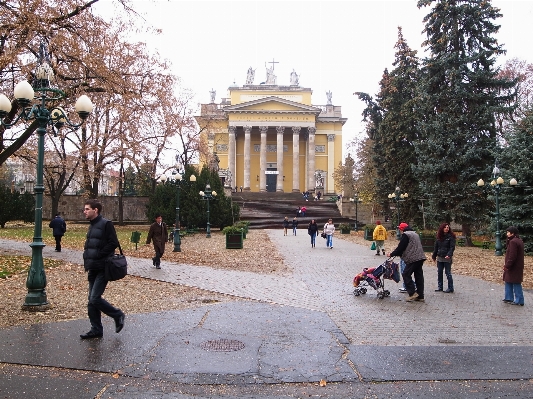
{"type": "Point", "coordinates": [329, 241]}
{"type": "Point", "coordinates": [447, 268]}
{"type": "Point", "coordinates": [294, 230]}
{"type": "Point", "coordinates": [313, 239]}
{"type": "Point", "coordinates": [513, 292]}
{"type": "Point", "coordinates": [97, 304]}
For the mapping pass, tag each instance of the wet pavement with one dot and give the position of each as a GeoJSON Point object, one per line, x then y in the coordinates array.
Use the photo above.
{"type": "Point", "coordinates": [300, 329]}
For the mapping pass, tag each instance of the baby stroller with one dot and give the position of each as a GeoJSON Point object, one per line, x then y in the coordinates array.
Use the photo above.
{"type": "Point", "coordinates": [375, 277]}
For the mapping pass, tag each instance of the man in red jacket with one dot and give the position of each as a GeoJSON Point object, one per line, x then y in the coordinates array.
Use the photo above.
{"type": "Point", "coordinates": [513, 269]}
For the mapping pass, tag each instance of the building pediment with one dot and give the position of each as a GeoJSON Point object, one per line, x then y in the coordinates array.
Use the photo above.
{"type": "Point", "coordinates": [272, 104]}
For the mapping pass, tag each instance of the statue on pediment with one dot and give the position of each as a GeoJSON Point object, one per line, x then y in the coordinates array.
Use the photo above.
{"type": "Point", "coordinates": [295, 79]}
{"type": "Point", "coordinates": [271, 78]}
{"type": "Point", "coordinates": [250, 76]}
{"type": "Point", "coordinates": [329, 95]}
{"type": "Point", "coordinates": [212, 93]}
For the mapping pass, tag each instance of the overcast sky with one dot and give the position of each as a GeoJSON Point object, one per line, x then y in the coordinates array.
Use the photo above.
{"type": "Point", "coordinates": [342, 46]}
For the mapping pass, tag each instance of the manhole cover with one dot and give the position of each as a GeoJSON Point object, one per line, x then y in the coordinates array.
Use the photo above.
{"type": "Point", "coordinates": [222, 345]}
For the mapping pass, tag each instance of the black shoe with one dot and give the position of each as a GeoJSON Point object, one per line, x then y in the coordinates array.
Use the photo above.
{"type": "Point", "coordinates": [507, 301]}
{"type": "Point", "coordinates": [157, 267]}
{"type": "Point", "coordinates": [119, 323]}
{"type": "Point", "coordinates": [91, 334]}
{"type": "Point", "coordinates": [449, 291]}
{"type": "Point", "coordinates": [438, 289]}
{"type": "Point", "coordinates": [377, 254]}
{"type": "Point", "coordinates": [517, 304]}
{"type": "Point", "coordinates": [153, 261]}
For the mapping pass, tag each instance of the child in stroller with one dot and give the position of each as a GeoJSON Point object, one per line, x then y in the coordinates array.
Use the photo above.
{"type": "Point", "coordinates": [375, 278]}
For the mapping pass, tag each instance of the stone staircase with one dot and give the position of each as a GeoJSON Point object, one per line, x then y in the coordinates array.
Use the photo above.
{"type": "Point", "coordinates": [267, 210]}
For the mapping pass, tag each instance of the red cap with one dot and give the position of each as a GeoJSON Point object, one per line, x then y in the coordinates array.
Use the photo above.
{"type": "Point", "coordinates": [402, 226]}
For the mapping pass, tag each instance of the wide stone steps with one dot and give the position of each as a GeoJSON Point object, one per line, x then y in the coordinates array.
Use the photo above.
{"type": "Point", "coordinates": [267, 210]}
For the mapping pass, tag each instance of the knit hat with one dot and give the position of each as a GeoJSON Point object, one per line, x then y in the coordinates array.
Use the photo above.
{"type": "Point", "coordinates": [513, 230]}
{"type": "Point", "coordinates": [402, 226]}
{"type": "Point", "coordinates": [378, 222]}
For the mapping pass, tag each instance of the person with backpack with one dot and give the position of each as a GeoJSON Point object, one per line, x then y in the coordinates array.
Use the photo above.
{"type": "Point", "coordinates": [379, 236]}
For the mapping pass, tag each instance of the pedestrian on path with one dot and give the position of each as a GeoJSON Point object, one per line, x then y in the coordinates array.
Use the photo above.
{"type": "Point", "coordinates": [312, 230]}
{"type": "Point", "coordinates": [329, 230]}
{"type": "Point", "coordinates": [411, 251]}
{"type": "Point", "coordinates": [59, 227]}
{"type": "Point", "coordinates": [285, 225]}
{"type": "Point", "coordinates": [294, 226]}
{"type": "Point", "coordinates": [379, 236]}
{"type": "Point", "coordinates": [442, 254]}
{"type": "Point", "coordinates": [513, 269]}
{"type": "Point", "coordinates": [100, 244]}
{"type": "Point", "coordinates": [158, 235]}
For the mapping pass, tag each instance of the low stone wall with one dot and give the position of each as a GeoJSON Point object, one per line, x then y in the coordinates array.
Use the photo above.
{"type": "Point", "coordinates": [71, 208]}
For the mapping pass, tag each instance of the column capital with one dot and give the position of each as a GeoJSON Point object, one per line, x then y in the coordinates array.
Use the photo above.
{"type": "Point", "coordinates": [311, 130]}
{"type": "Point", "coordinates": [280, 129]}
{"type": "Point", "coordinates": [247, 129]}
{"type": "Point", "coordinates": [263, 129]}
{"type": "Point", "coordinates": [296, 129]}
{"type": "Point", "coordinates": [232, 129]}
{"type": "Point", "coordinates": [331, 137]}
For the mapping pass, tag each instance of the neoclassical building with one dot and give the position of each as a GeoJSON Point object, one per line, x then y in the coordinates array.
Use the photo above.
{"type": "Point", "coordinates": [269, 137]}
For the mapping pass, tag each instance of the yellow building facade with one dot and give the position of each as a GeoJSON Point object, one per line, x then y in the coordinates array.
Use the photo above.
{"type": "Point", "coordinates": [267, 138]}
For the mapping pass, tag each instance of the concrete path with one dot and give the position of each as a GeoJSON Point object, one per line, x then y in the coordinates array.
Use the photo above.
{"type": "Point", "coordinates": [301, 328]}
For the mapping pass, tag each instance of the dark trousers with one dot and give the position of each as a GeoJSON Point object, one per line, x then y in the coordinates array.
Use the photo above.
{"type": "Point", "coordinates": [98, 305]}
{"type": "Point", "coordinates": [416, 269]}
{"type": "Point", "coordinates": [157, 257]}
{"type": "Point", "coordinates": [58, 242]}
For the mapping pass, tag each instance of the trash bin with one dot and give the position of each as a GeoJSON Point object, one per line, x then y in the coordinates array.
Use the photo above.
{"type": "Point", "coordinates": [135, 237]}
{"type": "Point", "coordinates": [369, 235]}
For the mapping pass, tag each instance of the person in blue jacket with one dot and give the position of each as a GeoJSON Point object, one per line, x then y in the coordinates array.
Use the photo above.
{"type": "Point", "coordinates": [59, 227]}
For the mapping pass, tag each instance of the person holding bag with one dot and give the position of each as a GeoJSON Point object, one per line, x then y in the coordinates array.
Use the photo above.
{"type": "Point", "coordinates": [379, 236]}
{"type": "Point", "coordinates": [442, 254]}
{"type": "Point", "coordinates": [312, 230]}
{"type": "Point", "coordinates": [99, 246]}
{"type": "Point", "coordinates": [329, 229]}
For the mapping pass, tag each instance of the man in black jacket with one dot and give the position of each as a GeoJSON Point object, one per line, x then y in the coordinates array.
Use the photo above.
{"type": "Point", "coordinates": [59, 227]}
{"type": "Point", "coordinates": [411, 251]}
{"type": "Point", "coordinates": [100, 244]}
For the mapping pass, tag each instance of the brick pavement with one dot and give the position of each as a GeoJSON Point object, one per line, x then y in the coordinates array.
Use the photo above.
{"type": "Point", "coordinates": [321, 280]}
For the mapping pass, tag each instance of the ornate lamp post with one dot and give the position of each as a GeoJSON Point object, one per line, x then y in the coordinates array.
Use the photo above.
{"type": "Point", "coordinates": [33, 101]}
{"type": "Point", "coordinates": [356, 201]}
{"type": "Point", "coordinates": [177, 178]}
{"type": "Point", "coordinates": [396, 197]}
{"type": "Point", "coordinates": [496, 184]}
{"type": "Point", "coordinates": [208, 195]}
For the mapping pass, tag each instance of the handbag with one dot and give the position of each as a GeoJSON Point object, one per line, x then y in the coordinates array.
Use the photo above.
{"type": "Point", "coordinates": [373, 246]}
{"type": "Point", "coordinates": [323, 235]}
{"type": "Point", "coordinates": [116, 266]}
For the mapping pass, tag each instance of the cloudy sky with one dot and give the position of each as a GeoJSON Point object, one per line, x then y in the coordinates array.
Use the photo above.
{"type": "Point", "coordinates": [342, 46]}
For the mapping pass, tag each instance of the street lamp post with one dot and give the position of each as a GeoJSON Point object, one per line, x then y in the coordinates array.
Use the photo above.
{"type": "Point", "coordinates": [178, 180]}
{"type": "Point", "coordinates": [496, 184]}
{"type": "Point", "coordinates": [356, 201]}
{"type": "Point", "coordinates": [25, 94]}
{"type": "Point", "coordinates": [397, 196]}
{"type": "Point", "coordinates": [208, 195]}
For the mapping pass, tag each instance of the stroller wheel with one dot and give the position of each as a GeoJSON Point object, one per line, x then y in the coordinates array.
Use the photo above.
{"type": "Point", "coordinates": [356, 292]}
{"type": "Point", "coordinates": [363, 290]}
{"type": "Point", "coordinates": [386, 293]}
{"type": "Point", "coordinates": [380, 295]}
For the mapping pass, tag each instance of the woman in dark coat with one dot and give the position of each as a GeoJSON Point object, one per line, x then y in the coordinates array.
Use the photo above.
{"type": "Point", "coordinates": [513, 270]}
{"type": "Point", "coordinates": [443, 253]}
{"type": "Point", "coordinates": [312, 230]}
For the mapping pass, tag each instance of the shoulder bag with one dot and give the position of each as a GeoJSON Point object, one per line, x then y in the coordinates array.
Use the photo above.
{"type": "Point", "coordinates": [116, 266]}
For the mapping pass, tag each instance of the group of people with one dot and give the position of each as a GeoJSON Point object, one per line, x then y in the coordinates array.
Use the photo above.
{"type": "Point", "coordinates": [328, 230]}
{"type": "Point", "coordinates": [412, 256]}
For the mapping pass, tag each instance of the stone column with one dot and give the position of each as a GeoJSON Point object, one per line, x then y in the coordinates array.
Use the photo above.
{"type": "Point", "coordinates": [296, 159]}
{"type": "Point", "coordinates": [247, 130]}
{"type": "Point", "coordinates": [311, 159]}
{"type": "Point", "coordinates": [329, 184]}
{"type": "Point", "coordinates": [231, 154]}
{"type": "Point", "coordinates": [263, 159]}
{"type": "Point", "coordinates": [279, 153]}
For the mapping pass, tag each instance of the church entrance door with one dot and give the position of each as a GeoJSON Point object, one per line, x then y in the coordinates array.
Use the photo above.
{"type": "Point", "coordinates": [271, 180]}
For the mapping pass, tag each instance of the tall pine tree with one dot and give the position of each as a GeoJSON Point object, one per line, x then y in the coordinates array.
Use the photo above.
{"type": "Point", "coordinates": [516, 161]}
{"type": "Point", "coordinates": [460, 95]}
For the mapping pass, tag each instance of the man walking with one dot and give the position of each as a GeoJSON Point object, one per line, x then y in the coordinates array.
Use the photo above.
{"type": "Point", "coordinates": [100, 244]}
{"type": "Point", "coordinates": [158, 235]}
{"type": "Point", "coordinates": [59, 227]}
{"type": "Point", "coordinates": [411, 251]}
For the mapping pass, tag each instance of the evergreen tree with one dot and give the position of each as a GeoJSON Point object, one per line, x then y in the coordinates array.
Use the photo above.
{"type": "Point", "coordinates": [392, 125]}
{"type": "Point", "coordinates": [15, 206]}
{"type": "Point", "coordinates": [459, 97]}
{"type": "Point", "coordinates": [516, 162]}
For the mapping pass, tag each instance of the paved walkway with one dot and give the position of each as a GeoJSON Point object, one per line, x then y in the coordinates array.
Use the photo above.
{"type": "Point", "coordinates": [304, 327]}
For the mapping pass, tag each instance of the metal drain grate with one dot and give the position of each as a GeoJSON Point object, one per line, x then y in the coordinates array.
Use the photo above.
{"type": "Point", "coordinates": [222, 345]}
